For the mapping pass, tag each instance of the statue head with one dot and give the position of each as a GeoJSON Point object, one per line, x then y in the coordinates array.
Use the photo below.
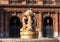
{"type": "Point", "coordinates": [29, 13]}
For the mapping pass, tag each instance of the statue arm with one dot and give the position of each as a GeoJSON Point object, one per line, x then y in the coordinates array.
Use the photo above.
{"type": "Point", "coordinates": [23, 20]}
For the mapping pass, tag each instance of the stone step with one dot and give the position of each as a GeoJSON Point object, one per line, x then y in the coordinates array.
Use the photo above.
{"type": "Point", "coordinates": [28, 40]}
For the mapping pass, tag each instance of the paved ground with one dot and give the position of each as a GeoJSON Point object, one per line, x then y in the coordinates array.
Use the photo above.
{"type": "Point", "coordinates": [29, 40]}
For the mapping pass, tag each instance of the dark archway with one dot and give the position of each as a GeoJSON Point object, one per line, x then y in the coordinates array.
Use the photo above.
{"type": "Point", "coordinates": [15, 24]}
{"type": "Point", "coordinates": [47, 27]}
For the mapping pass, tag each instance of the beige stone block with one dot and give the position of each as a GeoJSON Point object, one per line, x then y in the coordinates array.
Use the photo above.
{"type": "Point", "coordinates": [4, 2]}
{"type": "Point", "coordinates": [23, 2]}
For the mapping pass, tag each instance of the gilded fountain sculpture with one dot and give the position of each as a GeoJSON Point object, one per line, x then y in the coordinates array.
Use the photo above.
{"type": "Point", "coordinates": [29, 25]}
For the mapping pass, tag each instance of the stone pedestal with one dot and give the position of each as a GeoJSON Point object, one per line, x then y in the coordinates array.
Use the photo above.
{"type": "Point", "coordinates": [29, 35]}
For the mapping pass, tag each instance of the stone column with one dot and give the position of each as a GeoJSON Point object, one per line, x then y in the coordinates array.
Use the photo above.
{"type": "Point", "coordinates": [40, 25]}
{"type": "Point", "coordinates": [59, 24]}
{"type": "Point", "coordinates": [55, 25]}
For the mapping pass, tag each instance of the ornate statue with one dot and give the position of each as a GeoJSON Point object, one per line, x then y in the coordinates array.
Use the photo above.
{"type": "Point", "coordinates": [29, 24]}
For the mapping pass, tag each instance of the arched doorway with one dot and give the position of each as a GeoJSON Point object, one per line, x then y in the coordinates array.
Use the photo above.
{"type": "Point", "coordinates": [15, 24]}
{"type": "Point", "coordinates": [47, 30]}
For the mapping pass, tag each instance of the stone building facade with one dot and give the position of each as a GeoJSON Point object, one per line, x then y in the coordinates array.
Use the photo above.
{"type": "Point", "coordinates": [47, 13]}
